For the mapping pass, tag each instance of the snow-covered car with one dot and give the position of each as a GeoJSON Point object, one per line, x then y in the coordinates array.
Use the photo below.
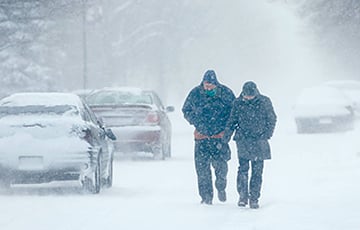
{"type": "Point", "coordinates": [47, 137]}
{"type": "Point", "coordinates": [82, 93]}
{"type": "Point", "coordinates": [351, 88]}
{"type": "Point", "coordinates": [137, 117]}
{"type": "Point", "coordinates": [323, 109]}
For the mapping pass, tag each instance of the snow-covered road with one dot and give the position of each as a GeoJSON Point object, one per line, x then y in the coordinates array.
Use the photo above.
{"type": "Point", "coordinates": [311, 183]}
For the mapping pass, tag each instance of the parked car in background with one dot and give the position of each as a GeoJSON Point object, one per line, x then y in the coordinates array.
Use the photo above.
{"type": "Point", "coordinates": [82, 93]}
{"type": "Point", "coordinates": [137, 117]}
{"type": "Point", "coordinates": [323, 109]}
{"type": "Point", "coordinates": [351, 89]}
{"type": "Point", "coordinates": [47, 137]}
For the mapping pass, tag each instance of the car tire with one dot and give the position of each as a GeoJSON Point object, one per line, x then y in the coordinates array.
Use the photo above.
{"type": "Point", "coordinates": [299, 130]}
{"type": "Point", "coordinates": [163, 151]}
{"type": "Point", "coordinates": [5, 183]}
{"type": "Point", "coordinates": [109, 179]}
{"type": "Point", "coordinates": [93, 184]}
{"type": "Point", "coordinates": [158, 152]}
{"type": "Point", "coordinates": [168, 148]}
{"type": "Point", "coordinates": [300, 127]}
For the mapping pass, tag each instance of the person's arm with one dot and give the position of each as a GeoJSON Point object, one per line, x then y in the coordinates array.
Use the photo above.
{"type": "Point", "coordinates": [232, 123]}
{"type": "Point", "coordinates": [189, 108]}
{"type": "Point", "coordinates": [271, 118]}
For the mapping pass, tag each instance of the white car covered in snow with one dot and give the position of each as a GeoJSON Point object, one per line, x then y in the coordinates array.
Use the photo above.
{"type": "Point", "coordinates": [48, 137]}
{"type": "Point", "coordinates": [323, 109]}
{"type": "Point", "coordinates": [351, 89]}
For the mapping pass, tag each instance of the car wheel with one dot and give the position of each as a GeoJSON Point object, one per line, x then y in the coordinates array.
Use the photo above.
{"type": "Point", "coordinates": [158, 152]}
{"type": "Point", "coordinates": [5, 183]}
{"type": "Point", "coordinates": [109, 180]}
{"type": "Point", "coordinates": [300, 127]}
{"type": "Point", "coordinates": [165, 148]}
{"type": "Point", "coordinates": [163, 151]}
{"type": "Point", "coordinates": [168, 149]}
{"type": "Point", "coordinates": [93, 184]}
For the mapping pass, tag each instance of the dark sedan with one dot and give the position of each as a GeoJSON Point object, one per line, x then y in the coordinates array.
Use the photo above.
{"type": "Point", "coordinates": [137, 117]}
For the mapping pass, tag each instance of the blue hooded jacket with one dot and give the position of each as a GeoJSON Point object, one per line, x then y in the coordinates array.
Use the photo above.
{"type": "Point", "coordinates": [208, 113]}
{"type": "Point", "coordinates": [253, 122]}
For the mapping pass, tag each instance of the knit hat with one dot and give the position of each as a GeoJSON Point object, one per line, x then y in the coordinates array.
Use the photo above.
{"type": "Point", "coordinates": [210, 77]}
{"type": "Point", "coordinates": [250, 89]}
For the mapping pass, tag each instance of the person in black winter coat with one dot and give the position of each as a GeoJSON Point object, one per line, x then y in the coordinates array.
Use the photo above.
{"type": "Point", "coordinates": [253, 119]}
{"type": "Point", "coordinates": [207, 108]}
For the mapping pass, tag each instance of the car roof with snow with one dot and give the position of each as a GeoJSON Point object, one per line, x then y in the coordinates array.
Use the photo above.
{"type": "Point", "coordinates": [322, 95]}
{"type": "Point", "coordinates": [132, 90]}
{"type": "Point", "coordinates": [41, 98]}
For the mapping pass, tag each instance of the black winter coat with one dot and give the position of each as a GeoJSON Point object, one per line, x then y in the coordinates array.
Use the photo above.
{"type": "Point", "coordinates": [209, 114]}
{"type": "Point", "coordinates": [254, 123]}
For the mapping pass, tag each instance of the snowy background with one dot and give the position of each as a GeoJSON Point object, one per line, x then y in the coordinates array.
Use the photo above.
{"type": "Point", "coordinates": [312, 180]}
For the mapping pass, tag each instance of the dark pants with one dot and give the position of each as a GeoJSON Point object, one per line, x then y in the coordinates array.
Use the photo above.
{"type": "Point", "coordinates": [255, 181]}
{"type": "Point", "coordinates": [208, 153]}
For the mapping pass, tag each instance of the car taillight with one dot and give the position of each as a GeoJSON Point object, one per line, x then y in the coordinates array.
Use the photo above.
{"type": "Point", "coordinates": [152, 118]}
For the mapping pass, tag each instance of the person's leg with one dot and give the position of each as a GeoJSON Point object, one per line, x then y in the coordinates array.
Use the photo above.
{"type": "Point", "coordinates": [221, 170]}
{"type": "Point", "coordinates": [243, 181]}
{"type": "Point", "coordinates": [256, 182]}
{"type": "Point", "coordinates": [203, 171]}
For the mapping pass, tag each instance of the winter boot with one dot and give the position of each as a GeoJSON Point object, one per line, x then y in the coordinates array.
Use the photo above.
{"type": "Point", "coordinates": [207, 200]}
{"type": "Point", "coordinates": [254, 204]}
{"type": "Point", "coordinates": [242, 202]}
{"type": "Point", "coordinates": [222, 195]}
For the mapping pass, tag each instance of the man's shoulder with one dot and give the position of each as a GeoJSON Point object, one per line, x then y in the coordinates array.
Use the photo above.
{"type": "Point", "coordinates": [264, 98]}
{"type": "Point", "coordinates": [196, 89]}
{"type": "Point", "coordinates": [226, 89]}
{"type": "Point", "coordinates": [238, 100]}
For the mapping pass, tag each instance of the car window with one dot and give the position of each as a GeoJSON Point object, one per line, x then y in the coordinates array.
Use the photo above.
{"type": "Point", "coordinates": [90, 113]}
{"type": "Point", "coordinates": [158, 101]}
{"type": "Point", "coordinates": [118, 98]}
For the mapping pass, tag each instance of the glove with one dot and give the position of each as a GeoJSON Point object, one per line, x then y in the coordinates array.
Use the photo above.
{"type": "Point", "coordinates": [226, 138]}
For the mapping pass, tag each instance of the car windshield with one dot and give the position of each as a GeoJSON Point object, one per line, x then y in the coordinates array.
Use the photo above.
{"type": "Point", "coordinates": [118, 98]}
{"type": "Point", "coordinates": [61, 110]}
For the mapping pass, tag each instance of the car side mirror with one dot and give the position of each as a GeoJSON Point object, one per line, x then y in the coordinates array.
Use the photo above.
{"type": "Point", "coordinates": [100, 121]}
{"type": "Point", "coordinates": [170, 109]}
{"type": "Point", "coordinates": [109, 133]}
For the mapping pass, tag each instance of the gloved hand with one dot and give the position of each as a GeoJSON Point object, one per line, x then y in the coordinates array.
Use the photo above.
{"type": "Point", "coordinates": [225, 138]}
{"type": "Point", "coordinates": [200, 136]}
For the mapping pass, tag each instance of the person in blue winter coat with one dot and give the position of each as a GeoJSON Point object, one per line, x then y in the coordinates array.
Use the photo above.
{"type": "Point", "coordinates": [253, 119]}
{"type": "Point", "coordinates": [207, 108]}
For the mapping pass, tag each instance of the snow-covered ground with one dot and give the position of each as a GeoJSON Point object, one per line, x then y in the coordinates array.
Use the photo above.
{"type": "Point", "coordinates": [312, 183]}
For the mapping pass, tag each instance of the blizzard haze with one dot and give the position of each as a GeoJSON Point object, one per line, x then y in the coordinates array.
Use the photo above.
{"type": "Point", "coordinates": [161, 44]}
{"type": "Point", "coordinates": [312, 181]}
